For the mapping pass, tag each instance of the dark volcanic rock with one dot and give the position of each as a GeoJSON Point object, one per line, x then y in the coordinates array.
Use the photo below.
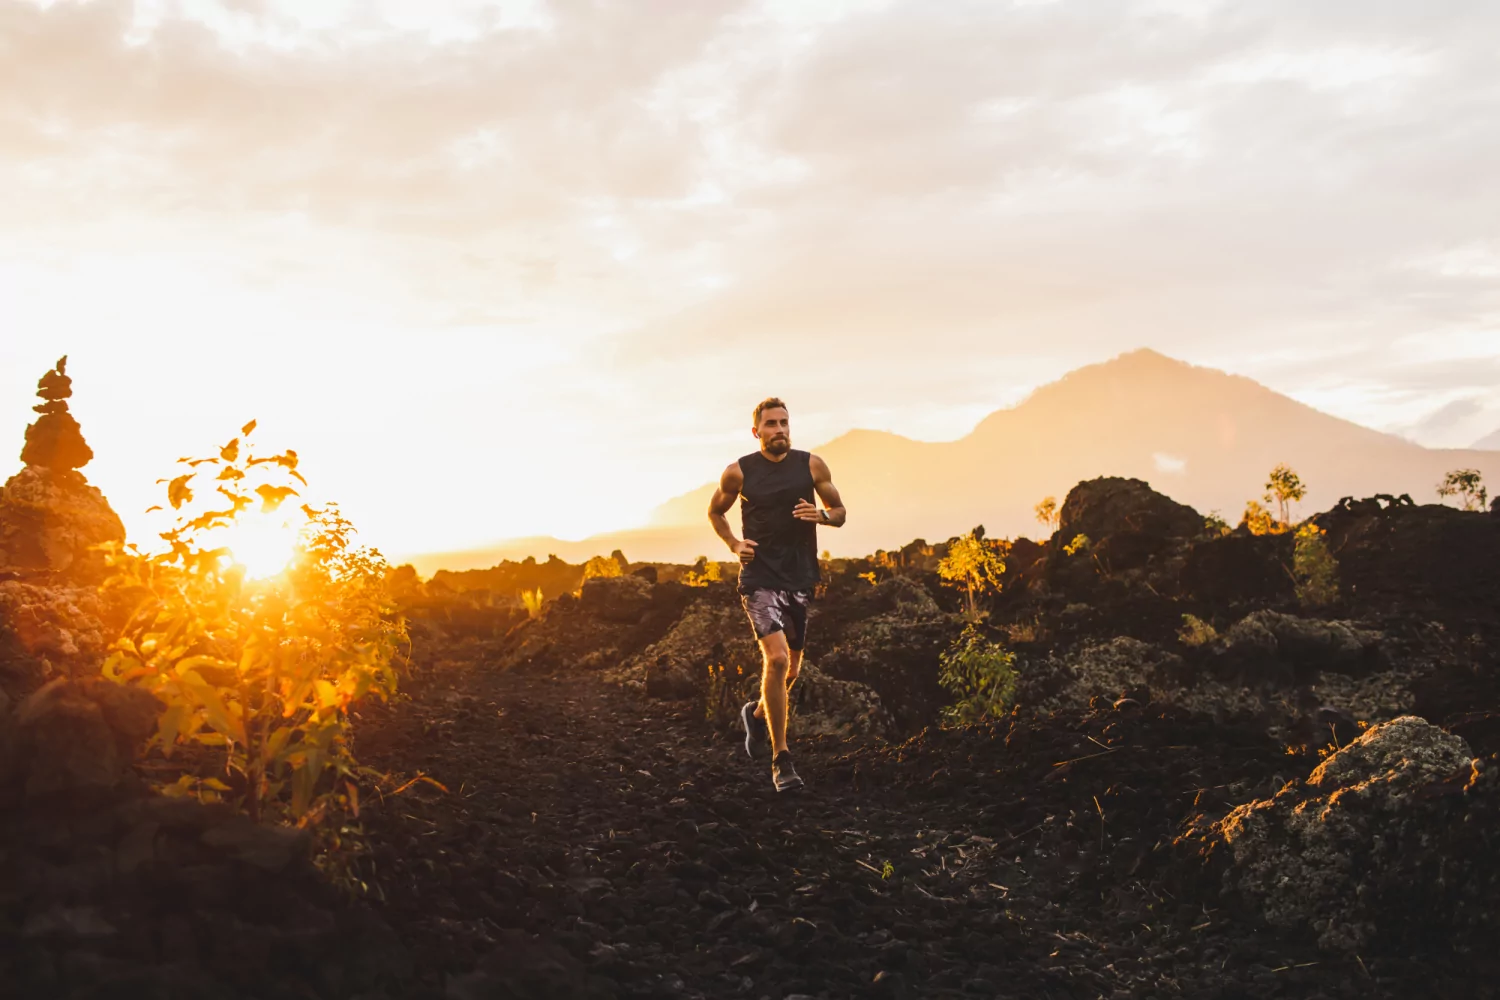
{"type": "Point", "coordinates": [1405, 554]}
{"type": "Point", "coordinates": [49, 520]}
{"type": "Point", "coordinates": [79, 737]}
{"type": "Point", "coordinates": [1317, 856]}
{"type": "Point", "coordinates": [622, 599]}
{"type": "Point", "coordinates": [1126, 520]}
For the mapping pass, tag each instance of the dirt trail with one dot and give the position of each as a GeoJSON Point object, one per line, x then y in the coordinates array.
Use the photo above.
{"type": "Point", "coordinates": [595, 844]}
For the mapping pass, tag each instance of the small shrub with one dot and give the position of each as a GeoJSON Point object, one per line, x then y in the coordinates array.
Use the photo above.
{"type": "Point", "coordinates": [980, 674]}
{"type": "Point", "coordinates": [976, 565]}
{"type": "Point", "coordinates": [1196, 632]}
{"type": "Point", "coordinates": [703, 573]}
{"type": "Point", "coordinates": [532, 601]}
{"type": "Point", "coordinates": [1080, 543]}
{"type": "Point", "coordinates": [1468, 486]}
{"type": "Point", "coordinates": [1314, 568]}
{"type": "Point", "coordinates": [1261, 521]}
{"type": "Point", "coordinates": [262, 671]}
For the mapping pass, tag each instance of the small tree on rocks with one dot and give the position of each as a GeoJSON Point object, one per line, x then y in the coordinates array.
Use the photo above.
{"type": "Point", "coordinates": [1047, 513]}
{"type": "Point", "coordinates": [976, 565]}
{"type": "Point", "coordinates": [1468, 486]}
{"type": "Point", "coordinates": [1284, 488]}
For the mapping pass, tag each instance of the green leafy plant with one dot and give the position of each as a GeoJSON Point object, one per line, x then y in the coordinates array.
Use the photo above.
{"type": "Point", "coordinates": [1196, 632]}
{"type": "Point", "coordinates": [262, 671]}
{"type": "Point", "coordinates": [887, 869]}
{"type": "Point", "coordinates": [1468, 486]}
{"type": "Point", "coordinates": [1213, 524]}
{"type": "Point", "coordinates": [980, 674]}
{"type": "Point", "coordinates": [1314, 568]}
{"type": "Point", "coordinates": [1080, 543]}
{"type": "Point", "coordinates": [976, 565]}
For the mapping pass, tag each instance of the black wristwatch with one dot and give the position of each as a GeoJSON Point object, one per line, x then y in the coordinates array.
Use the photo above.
{"type": "Point", "coordinates": [823, 515]}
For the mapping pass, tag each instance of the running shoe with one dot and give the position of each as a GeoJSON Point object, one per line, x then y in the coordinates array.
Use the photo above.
{"type": "Point", "coordinates": [783, 774]}
{"type": "Point", "coordinates": [757, 736]}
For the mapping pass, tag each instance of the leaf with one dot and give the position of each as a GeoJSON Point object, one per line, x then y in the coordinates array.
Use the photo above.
{"type": "Point", "coordinates": [214, 711]}
{"type": "Point", "coordinates": [230, 473]}
{"type": "Point", "coordinates": [153, 507]}
{"type": "Point", "coordinates": [230, 451]}
{"type": "Point", "coordinates": [178, 492]}
{"type": "Point", "coordinates": [215, 784]}
{"type": "Point", "coordinates": [169, 726]}
{"type": "Point", "coordinates": [272, 496]}
{"type": "Point", "coordinates": [245, 430]}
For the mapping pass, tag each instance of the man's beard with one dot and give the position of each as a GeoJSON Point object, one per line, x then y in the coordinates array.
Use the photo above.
{"type": "Point", "coordinates": [779, 446]}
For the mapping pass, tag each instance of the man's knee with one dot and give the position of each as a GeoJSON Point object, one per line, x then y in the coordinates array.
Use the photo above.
{"type": "Point", "coordinates": [778, 666]}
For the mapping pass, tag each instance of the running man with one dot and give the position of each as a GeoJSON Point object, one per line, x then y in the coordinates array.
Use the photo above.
{"type": "Point", "coordinates": [778, 566]}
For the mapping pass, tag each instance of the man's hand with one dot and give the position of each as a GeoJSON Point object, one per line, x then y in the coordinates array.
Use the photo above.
{"type": "Point", "coordinates": [746, 551]}
{"type": "Point", "coordinates": [805, 511]}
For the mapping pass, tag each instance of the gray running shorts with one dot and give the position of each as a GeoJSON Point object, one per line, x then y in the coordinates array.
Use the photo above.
{"type": "Point", "coordinates": [772, 611]}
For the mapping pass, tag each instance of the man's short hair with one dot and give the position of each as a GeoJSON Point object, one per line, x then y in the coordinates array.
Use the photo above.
{"type": "Point", "coordinates": [769, 403]}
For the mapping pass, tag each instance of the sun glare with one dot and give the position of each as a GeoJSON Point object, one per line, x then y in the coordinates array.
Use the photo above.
{"type": "Point", "coordinates": [263, 543]}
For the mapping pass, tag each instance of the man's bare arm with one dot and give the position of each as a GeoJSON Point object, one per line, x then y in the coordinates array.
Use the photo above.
{"type": "Point", "coordinates": [827, 492]}
{"type": "Point", "coordinates": [730, 484]}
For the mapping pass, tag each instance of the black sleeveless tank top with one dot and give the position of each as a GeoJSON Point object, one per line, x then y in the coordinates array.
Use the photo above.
{"type": "Point", "coordinates": [786, 554]}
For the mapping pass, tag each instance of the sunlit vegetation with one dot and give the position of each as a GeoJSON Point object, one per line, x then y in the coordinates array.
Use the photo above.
{"type": "Point", "coordinates": [1196, 632]}
{"type": "Point", "coordinates": [703, 573]}
{"type": "Point", "coordinates": [1314, 568]}
{"type": "Point", "coordinates": [1215, 525]}
{"type": "Point", "coordinates": [1283, 488]}
{"type": "Point", "coordinates": [1047, 513]}
{"type": "Point", "coordinates": [1468, 486]}
{"type": "Point", "coordinates": [975, 565]}
{"type": "Point", "coordinates": [531, 600]}
{"type": "Point", "coordinates": [980, 674]}
{"type": "Point", "coordinates": [1080, 543]}
{"type": "Point", "coordinates": [258, 653]}
{"type": "Point", "coordinates": [602, 567]}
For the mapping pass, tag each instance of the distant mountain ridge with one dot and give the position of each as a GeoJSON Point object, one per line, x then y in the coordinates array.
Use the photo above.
{"type": "Point", "coordinates": [1199, 435]}
{"type": "Point", "coordinates": [1490, 442]}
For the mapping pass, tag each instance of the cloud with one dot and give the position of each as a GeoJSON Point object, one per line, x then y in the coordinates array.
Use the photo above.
{"type": "Point", "coordinates": [903, 214]}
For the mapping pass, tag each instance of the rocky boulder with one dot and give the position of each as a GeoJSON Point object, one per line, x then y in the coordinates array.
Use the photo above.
{"type": "Point", "coordinates": [49, 629]}
{"type": "Point", "coordinates": [1268, 642]}
{"type": "Point", "coordinates": [1120, 667]}
{"type": "Point", "coordinates": [49, 521]}
{"type": "Point", "coordinates": [616, 598]}
{"type": "Point", "coordinates": [1126, 520]}
{"type": "Point", "coordinates": [710, 634]}
{"type": "Point", "coordinates": [75, 737]}
{"type": "Point", "coordinates": [1333, 854]}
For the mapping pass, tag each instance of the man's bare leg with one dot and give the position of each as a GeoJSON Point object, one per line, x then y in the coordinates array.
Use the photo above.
{"type": "Point", "coordinates": [778, 671]}
{"type": "Point", "coordinates": [794, 663]}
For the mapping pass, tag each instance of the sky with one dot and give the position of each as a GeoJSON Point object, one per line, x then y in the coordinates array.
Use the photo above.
{"type": "Point", "coordinates": [499, 269]}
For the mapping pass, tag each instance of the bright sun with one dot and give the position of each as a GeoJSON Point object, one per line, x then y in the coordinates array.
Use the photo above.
{"type": "Point", "coordinates": [264, 543]}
